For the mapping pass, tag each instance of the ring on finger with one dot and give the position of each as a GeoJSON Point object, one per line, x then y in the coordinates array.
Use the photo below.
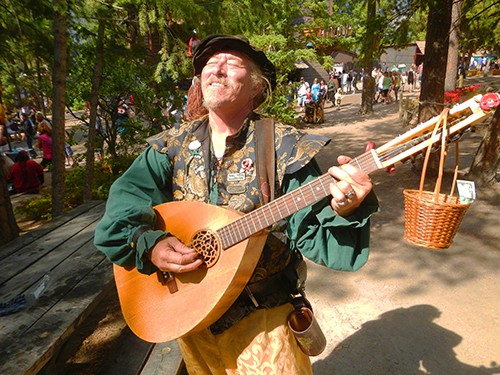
{"type": "Point", "coordinates": [351, 193]}
{"type": "Point", "coordinates": [341, 203]}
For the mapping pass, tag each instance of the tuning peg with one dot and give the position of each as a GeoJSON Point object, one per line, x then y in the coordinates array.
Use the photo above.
{"type": "Point", "coordinates": [369, 146]}
{"type": "Point", "coordinates": [489, 101]}
{"type": "Point", "coordinates": [390, 169]}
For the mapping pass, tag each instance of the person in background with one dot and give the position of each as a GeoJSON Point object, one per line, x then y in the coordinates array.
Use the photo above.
{"type": "Point", "coordinates": [301, 93]}
{"type": "Point", "coordinates": [212, 159]}
{"type": "Point", "coordinates": [309, 96]}
{"type": "Point", "coordinates": [42, 122]}
{"type": "Point", "coordinates": [323, 91]}
{"type": "Point", "coordinates": [396, 84]}
{"type": "Point", "coordinates": [411, 79]}
{"type": "Point", "coordinates": [386, 87]}
{"type": "Point", "coordinates": [315, 90]}
{"type": "Point", "coordinates": [12, 125]}
{"type": "Point", "coordinates": [26, 175]}
{"type": "Point", "coordinates": [68, 151]}
{"type": "Point", "coordinates": [4, 134]}
{"type": "Point", "coordinates": [45, 144]}
{"type": "Point", "coordinates": [332, 89]}
{"type": "Point", "coordinates": [289, 94]}
{"type": "Point", "coordinates": [28, 129]}
{"type": "Point", "coordinates": [344, 81]}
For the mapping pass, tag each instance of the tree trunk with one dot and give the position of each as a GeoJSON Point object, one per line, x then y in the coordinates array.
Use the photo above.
{"type": "Point", "coordinates": [94, 96]}
{"type": "Point", "coordinates": [370, 45]}
{"type": "Point", "coordinates": [8, 225]}
{"type": "Point", "coordinates": [59, 74]}
{"type": "Point", "coordinates": [436, 55]}
{"type": "Point", "coordinates": [487, 159]}
{"type": "Point", "coordinates": [367, 96]}
{"type": "Point", "coordinates": [453, 49]}
{"type": "Point", "coordinates": [434, 70]}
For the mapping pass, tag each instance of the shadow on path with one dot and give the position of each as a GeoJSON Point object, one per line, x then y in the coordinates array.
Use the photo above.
{"type": "Point", "coordinates": [401, 341]}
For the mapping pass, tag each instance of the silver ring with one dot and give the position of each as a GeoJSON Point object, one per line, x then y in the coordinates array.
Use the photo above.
{"type": "Point", "coordinates": [341, 203]}
{"type": "Point", "coordinates": [351, 193]}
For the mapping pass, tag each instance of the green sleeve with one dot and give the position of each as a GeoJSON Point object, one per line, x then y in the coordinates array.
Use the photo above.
{"type": "Point", "coordinates": [126, 231]}
{"type": "Point", "coordinates": [340, 243]}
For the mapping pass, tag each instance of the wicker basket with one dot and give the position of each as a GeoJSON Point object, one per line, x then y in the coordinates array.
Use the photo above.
{"type": "Point", "coordinates": [429, 223]}
{"type": "Point", "coordinates": [431, 218]}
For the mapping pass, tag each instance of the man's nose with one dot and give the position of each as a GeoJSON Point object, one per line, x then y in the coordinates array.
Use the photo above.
{"type": "Point", "coordinates": [220, 67]}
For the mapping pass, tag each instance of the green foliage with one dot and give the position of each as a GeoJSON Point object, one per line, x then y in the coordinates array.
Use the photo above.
{"type": "Point", "coordinates": [145, 51]}
{"type": "Point", "coordinates": [327, 63]}
{"type": "Point", "coordinates": [278, 109]}
{"type": "Point", "coordinates": [39, 208]}
{"type": "Point", "coordinates": [105, 173]}
{"type": "Point", "coordinates": [480, 26]}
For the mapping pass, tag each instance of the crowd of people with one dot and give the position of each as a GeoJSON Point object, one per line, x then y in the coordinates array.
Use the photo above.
{"type": "Point", "coordinates": [26, 135]}
{"type": "Point", "coordinates": [320, 92]}
{"type": "Point", "coordinates": [314, 95]}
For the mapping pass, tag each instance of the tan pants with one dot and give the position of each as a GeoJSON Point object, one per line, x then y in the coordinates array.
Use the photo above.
{"type": "Point", "coordinates": [258, 344]}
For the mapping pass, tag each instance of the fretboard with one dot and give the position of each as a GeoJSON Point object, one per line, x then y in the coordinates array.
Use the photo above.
{"type": "Point", "coordinates": [286, 205]}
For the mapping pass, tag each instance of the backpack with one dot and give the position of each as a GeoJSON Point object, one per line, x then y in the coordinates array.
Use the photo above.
{"type": "Point", "coordinates": [194, 42]}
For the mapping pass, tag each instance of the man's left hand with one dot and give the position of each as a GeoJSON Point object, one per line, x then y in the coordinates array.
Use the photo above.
{"type": "Point", "coordinates": [352, 186]}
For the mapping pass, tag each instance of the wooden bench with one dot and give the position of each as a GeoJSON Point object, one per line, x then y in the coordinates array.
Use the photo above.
{"type": "Point", "coordinates": [60, 275]}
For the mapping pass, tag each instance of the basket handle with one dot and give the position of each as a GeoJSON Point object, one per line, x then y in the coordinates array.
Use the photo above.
{"type": "Point", "coordinates": [441, 119]}
{"type": "Point", "coordinates": [455, 175]}
{"type": "Point", "coordinates": [444, 153]}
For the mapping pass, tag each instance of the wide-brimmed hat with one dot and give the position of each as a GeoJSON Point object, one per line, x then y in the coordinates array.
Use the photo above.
{"type": "Point", "coordinates": [217, 42]}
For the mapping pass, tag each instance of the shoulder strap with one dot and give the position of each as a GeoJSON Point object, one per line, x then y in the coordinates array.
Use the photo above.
{"type": "Point", "coordinates": [264, 144]}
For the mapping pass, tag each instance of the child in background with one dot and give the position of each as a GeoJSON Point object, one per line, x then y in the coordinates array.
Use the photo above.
{"type": "Point", "coordinates": [68, 151]}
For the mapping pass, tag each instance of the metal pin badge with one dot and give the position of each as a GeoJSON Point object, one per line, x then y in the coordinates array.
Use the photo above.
{"type": "Point", "coordinates": [194, 145]}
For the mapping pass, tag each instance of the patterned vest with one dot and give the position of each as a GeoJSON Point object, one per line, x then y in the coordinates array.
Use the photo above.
{"type": "Point", "coordinates": [232, 181]}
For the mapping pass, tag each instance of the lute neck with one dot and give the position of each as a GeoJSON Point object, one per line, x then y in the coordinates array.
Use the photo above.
{"type": "Point", "coordinates": [287, 204]}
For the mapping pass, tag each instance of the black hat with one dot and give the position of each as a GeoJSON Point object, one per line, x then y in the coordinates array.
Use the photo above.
{"type": "Point", "coordinates": [215, 43]}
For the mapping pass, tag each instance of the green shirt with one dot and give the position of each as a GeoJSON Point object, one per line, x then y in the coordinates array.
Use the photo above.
{"type": "Point", "coordinates": [179, 166]}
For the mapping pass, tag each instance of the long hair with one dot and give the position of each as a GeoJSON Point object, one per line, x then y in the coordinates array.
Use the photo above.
{"type": "Point", "coordinates": [22, 157]}
{"type": "Point", "coordinates": [194, 106]}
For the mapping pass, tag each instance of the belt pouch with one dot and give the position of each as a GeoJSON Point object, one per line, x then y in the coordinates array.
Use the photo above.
{"type": "Point", "coordinates": [306, 329]}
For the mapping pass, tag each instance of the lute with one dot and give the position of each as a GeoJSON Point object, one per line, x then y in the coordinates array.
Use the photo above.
{"type": "Point", "coordinates": [161, 307]}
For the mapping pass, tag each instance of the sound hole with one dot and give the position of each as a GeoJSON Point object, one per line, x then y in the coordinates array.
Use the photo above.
{"type": "Point", "coordinates": [207, 246]}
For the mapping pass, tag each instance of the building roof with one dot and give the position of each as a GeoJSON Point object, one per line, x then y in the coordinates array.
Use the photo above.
{"type": "Point", "coordinates": [421, 46]}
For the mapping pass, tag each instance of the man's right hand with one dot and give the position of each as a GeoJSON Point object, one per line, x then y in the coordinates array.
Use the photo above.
{"type": "Point", "coordinates": [171, 255]}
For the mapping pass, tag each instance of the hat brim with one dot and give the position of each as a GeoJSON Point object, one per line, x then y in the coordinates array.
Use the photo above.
{"type": "Point", "coordinates": [216, 43]}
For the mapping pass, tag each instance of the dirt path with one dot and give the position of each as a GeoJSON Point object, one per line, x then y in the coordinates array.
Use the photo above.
{"type": "Point", "coordinates": [410, 310]}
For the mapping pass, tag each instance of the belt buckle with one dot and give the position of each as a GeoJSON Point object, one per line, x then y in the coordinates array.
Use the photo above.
{"type": "Point", "coordinates": [251, 296]}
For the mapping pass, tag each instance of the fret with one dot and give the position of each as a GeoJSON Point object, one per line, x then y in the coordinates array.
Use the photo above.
{"type": "Point", "coordinates": [252, 221]}
{"type": "Point", "coordinates": [231, 233]}
{"type": "Point", "coordinates": [242, 234]}
{"type": "Point", "coordinates": [286, 206]}
{"type": "Point", "coordinates": [222, 236]}
{"type": "Point", "coordinates": [304, 200]}
{"type": "Point", "coordinates": [325, 190]}
{"type": "Point", "coordinates": [357, 162]}
{"type": "Point", "coordinates": [225, 239]}
{"type": "Point", "coordinates": [258, 219]}
{"type": "Point", "coordinates": [272, 214]}
{"type": "Point", "coordinates": [313, 193]}
{"type": "Point", "coordinates": [267, 207]}
{"type": "Point", "coordinates": [246, 222]}
{"type": "Point", "coordinates": [294, 202]}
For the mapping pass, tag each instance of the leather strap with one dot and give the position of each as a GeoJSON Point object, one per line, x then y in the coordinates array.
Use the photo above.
{"type": "Point", "coordinates": [264, 144]}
